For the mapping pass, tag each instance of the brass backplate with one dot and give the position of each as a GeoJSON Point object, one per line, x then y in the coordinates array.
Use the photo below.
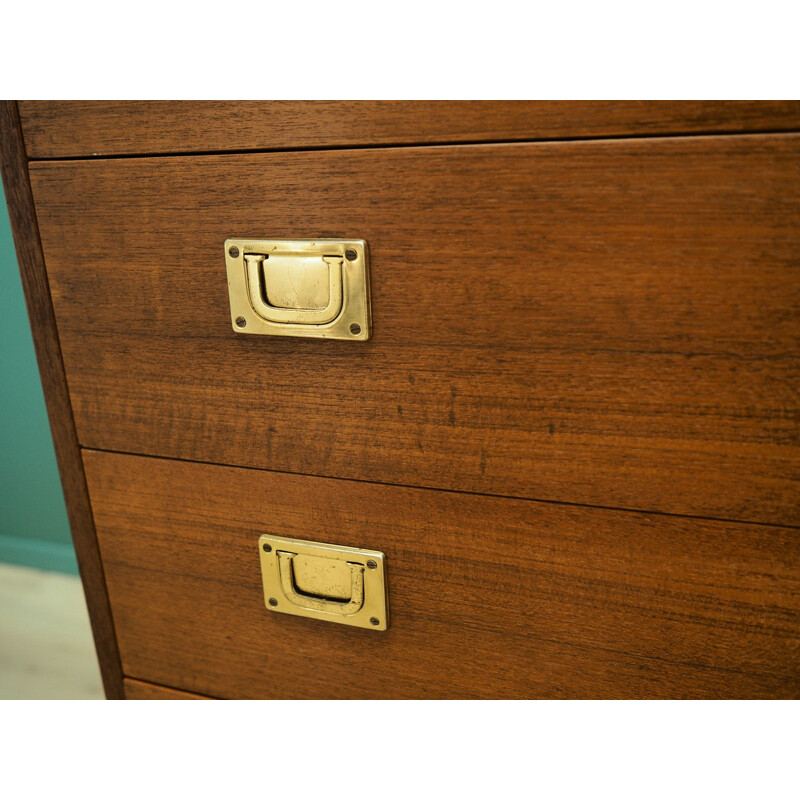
{"type": "Point", "coordinates": [311, 287]}
{"type": "Point", "coordinates": [325, 581]}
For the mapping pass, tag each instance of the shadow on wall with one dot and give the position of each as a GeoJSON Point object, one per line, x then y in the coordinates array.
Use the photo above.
{"type": "Point", "coordinates": [33, 520]}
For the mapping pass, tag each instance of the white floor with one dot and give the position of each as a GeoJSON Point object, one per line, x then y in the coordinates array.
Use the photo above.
{"type": "Point", "coordinates": [46, 648]}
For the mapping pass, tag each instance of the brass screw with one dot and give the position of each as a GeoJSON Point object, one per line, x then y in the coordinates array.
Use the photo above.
{"type": "Point", "coordinates": [374, 620]}
{"type": "Point", "coordinates": [372, 564]}
{"type": "Point", "coordinates": [267, 548]}
{"type": "Point", "coordinates": [355, 328]}
{"type": "Point", "coordinates": [233, 252]}
{"type": "Point", "coordinates": [241, 322]}
{"type": "Point", "coordinates": [350, 254]}
{"type": "Point", "coordinates": [273, 601]}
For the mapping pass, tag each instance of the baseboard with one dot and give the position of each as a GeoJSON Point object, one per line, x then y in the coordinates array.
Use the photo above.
{"type": "Point", "coordinates": [51, 556]}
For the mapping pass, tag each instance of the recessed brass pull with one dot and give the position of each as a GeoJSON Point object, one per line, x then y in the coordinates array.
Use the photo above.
{"type": "Point", "coordinates": [258, 289]}
{"type": "Point", "coordinates": [311, 602]}
{"type": "Point", "coordinates": [325, 581]}
{"type": "Point", "coordinates": [313, 288]}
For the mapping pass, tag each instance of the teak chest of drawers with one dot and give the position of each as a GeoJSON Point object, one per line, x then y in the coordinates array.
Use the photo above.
{"type": "Point", "coordinates": [574, 431]}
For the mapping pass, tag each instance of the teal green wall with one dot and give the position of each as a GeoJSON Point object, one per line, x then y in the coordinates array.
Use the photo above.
{"type": "Point", "coordinates": [33, 520]}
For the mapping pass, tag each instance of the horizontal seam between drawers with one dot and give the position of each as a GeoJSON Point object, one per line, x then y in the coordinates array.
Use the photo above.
{"type": "Point", "coordinates": [432, 144]}
{"type": "Point", "coordinates": [167, 686]}
{"type": "Point", "coordinates": [449, 491]}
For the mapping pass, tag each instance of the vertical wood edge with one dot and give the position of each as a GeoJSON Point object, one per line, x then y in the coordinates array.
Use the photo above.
{"type": "Point", "coordinates": [30, 257]}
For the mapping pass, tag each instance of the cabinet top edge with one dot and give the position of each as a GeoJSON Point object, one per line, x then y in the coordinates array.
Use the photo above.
{"type": "Point", "coordinates": [97, 129]}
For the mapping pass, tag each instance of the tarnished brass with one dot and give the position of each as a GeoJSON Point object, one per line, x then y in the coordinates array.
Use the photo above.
{"type": "Point", "coordinates": [325, 581]}
{"type": "Point", "coordinates": [317, 288]}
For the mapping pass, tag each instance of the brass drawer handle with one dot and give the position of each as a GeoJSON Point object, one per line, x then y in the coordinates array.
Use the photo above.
{"type": "Point", "coordinates": [299, 313]}
{"type": "Point", "coordinates": [328, 582]}
{"type": "Point", "coordinates": [313, 603]}
{"type": "Point", "coordinates": [317, 288]}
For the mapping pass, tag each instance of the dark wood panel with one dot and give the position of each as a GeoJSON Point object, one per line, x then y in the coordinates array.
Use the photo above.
{"type": "Point", "coordinates": [608, 323]}
{"type": "Point", "coordinates": [490, 597]}
{"type": "Point", "coordinates": [142, 690]}
{"type": "Point", "coordinates": [59, 129]}
{"type": "Point", "coordinates": [45, 339]}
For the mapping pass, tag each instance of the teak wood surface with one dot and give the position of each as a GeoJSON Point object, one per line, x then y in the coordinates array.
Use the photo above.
{"type": "Point", "coordinates": [83, 128]}
{"type": "Point", "coordinates": [606, 323]}
{"type": "Point", "coordinates": [489, 597]}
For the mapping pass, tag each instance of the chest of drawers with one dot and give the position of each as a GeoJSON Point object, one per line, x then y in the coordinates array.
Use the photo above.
{"type": "Point", "coordinates": [573, 431]}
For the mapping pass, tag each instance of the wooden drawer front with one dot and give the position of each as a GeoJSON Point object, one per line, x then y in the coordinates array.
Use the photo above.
{"type": "Point", "coordinates": [490, 597]}
{"type": "Point", "coordinates": [608, 323]}
{"type": "Point", "coordinates": [82, 128]}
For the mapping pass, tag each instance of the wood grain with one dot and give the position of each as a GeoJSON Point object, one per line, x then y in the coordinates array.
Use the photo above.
{"type": "Point", "coordinates": [141, 690]}
{"type": "Point", "coordinates": [51, 369]}
{"type": "Point", "coordinates": [489, 597]}
{"type": "Point", "coordinates": [60, 129]}
{"type": "Point", "coordinates": [606, 323]}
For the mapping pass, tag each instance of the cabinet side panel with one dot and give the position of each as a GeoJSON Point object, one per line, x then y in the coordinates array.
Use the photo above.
{"type": "Point", "coordinates": [54, 383]}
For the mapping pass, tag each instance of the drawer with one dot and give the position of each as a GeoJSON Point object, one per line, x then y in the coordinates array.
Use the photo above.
{"type": "Point", "coordinates": [605, 323]}
{"type": "Point", "coordinates": [88, 128]}
{"type": "Point", "coordinates": [490, 597]}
